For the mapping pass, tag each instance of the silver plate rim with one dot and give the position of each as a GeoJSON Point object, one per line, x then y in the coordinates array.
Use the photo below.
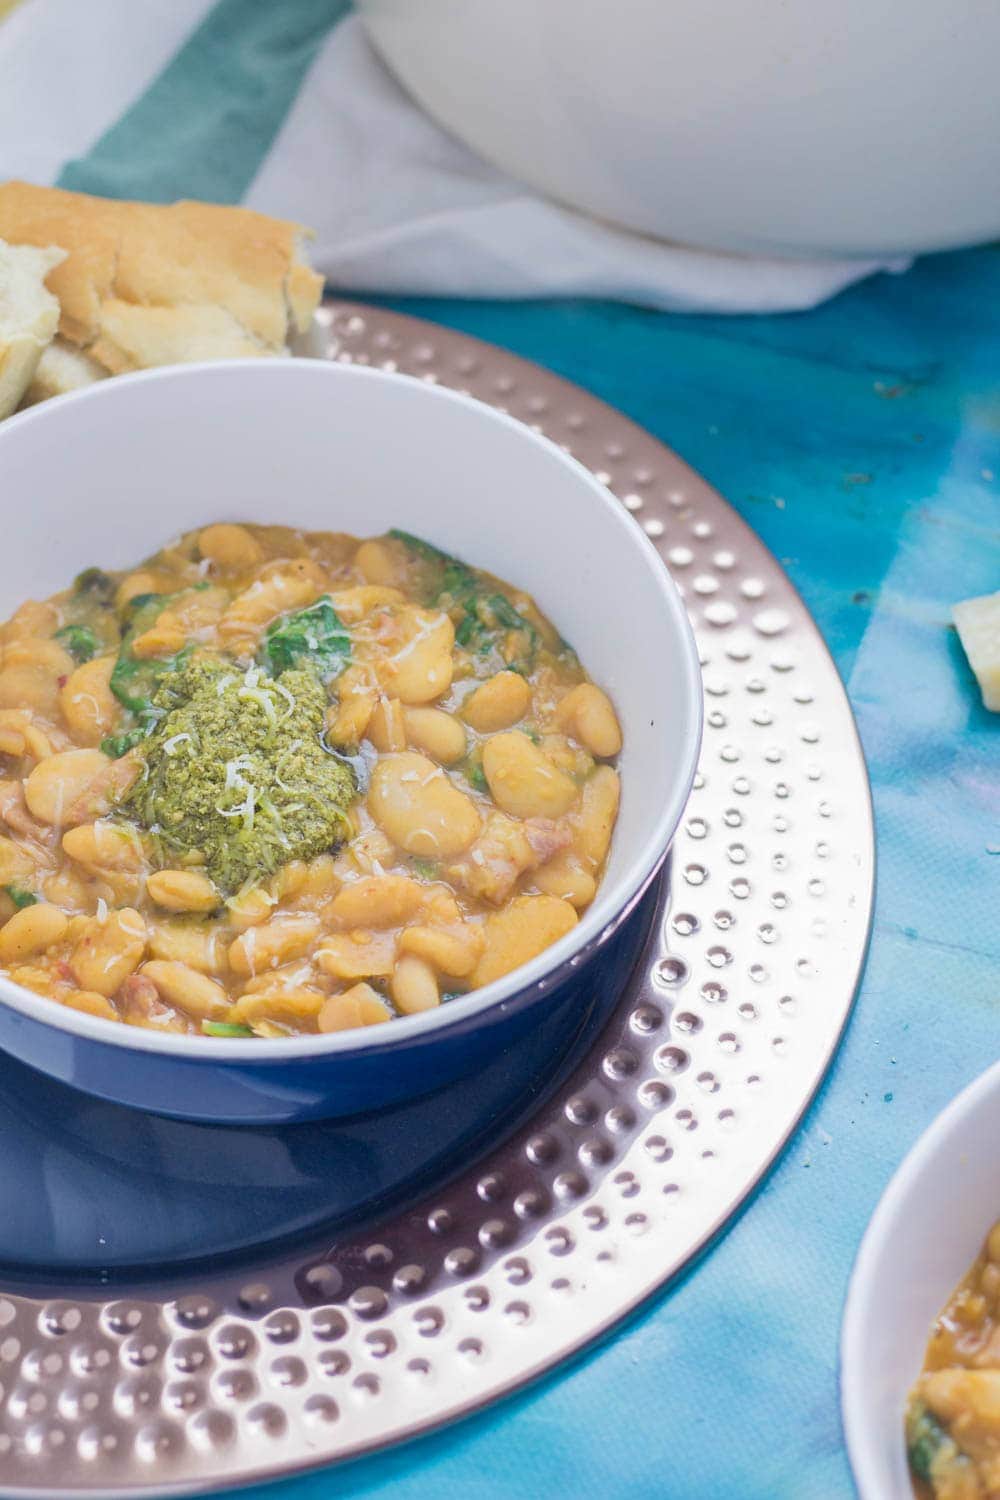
{"type": "Point", "coordinates": [356, 333]}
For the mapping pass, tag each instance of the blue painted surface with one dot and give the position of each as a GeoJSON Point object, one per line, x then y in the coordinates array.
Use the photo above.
{"type": "Point", "coordinates": [858, 440]}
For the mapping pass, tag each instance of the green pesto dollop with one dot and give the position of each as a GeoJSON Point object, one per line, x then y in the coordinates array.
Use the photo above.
{"type": "Point", "coordinates": [235, 770]}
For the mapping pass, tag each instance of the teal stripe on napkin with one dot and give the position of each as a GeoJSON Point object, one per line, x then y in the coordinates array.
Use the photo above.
{"type": "Point", "coordinates": [203, 127]}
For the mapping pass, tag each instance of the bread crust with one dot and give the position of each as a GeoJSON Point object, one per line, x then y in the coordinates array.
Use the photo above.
{"type": "Point", "coordinates": [146, 284]}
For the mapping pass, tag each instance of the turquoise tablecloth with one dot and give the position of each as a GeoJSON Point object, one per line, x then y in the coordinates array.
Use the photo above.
{"type": "Point", "coordinates": [862, 442]}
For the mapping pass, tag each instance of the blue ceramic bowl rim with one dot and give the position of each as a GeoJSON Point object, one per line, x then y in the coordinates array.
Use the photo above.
{"type": "Point", "coordinates": [541, 973]}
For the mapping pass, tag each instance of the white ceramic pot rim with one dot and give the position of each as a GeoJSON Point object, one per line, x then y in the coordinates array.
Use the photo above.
{"type": "Point", "coordinates": [859, 1430]}
{"type": "Point", "coordinates": [603, 914]}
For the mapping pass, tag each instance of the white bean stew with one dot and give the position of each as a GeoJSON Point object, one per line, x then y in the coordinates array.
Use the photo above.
{"type": "Point", "coordinates": [274, 782]}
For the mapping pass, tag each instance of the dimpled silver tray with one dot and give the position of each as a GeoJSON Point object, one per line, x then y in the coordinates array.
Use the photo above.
{"type": "Point", "coordinates": [709, 1061]}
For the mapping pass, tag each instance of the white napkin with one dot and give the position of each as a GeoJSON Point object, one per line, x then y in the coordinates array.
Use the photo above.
{"type": "Point", "coordinates": [402, 206]}
{"type": "Point", "coordinates": [399, 205]}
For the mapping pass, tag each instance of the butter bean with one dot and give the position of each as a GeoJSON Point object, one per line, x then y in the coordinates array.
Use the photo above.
{"type": "Point", "coordinates": [374, 560]}
{"type": "Point", "coordinates": [273, 943]}
{"type": "Point", "coordinates": [182, 890]}
{"type": "Point", "coordinates": [32, 618]}
{"type": "Point", "coordinates": [109, 951]}
{"type": "Point", "coordinates": [596, 818]}
{"type": "Point", "coordinates": [523, 781]}
{"type": "Point", "coordinates": [367, 853]}
{"type": "Point", "coordinates": [357, 955]}
{"type": "Point", "coordinates": [564, 876]}
{"type": "Point", "coordinates": [421, 668]}
{"type": "Point", "coordinates": [105, 846]}
{"type": "Point", "coordinates": [20, 735]}
{"type": "Point", "coordinates": [414, 986]}
{"type": "Point", "coordinates": [386, 728]}
{"type": "Point", "coordinates": [377, 901]}
{"type": "Point", "coordinates": [88, 705]}
{"type": "Point", "coordinates": [38, 980]}
{"type": "Point", "coordinates": [195, 993]}
{"type": "Point", "coordinates": [165, 638]}
{"type": "Point", "coordinates": [497, 703]}
{"type": "Point", "coordinates": [15, 862]}
{"type": "Point", "coordinates": [30, 675]}
{"type": "Point", "coordinates": [412, 800]}
{"type": "Point", "coordinates": [91, 1004]}
{"type": "Point", "coordinates": [230, 547]}
{"type": "Point", "coordinates": [286, 585]}
{"type": "Point", "coordinates": [587, 714]}
{"type": "Point", "coordinates": [197, 944]}
{"type": "Point", "coordinates": [113, 782]}
{"type": "Point", "coordinates": [436, 733]}
{"type": "Point", "coordinates": [519, 932]}
{"type": "Point", "coordinates": [353, 604]}
{"type": "Point", "coordinates": [58, 781]}
{"type": "Point", "coordinates": [317, 878]}
{"type": "Point", "coordinates": [291, 880]}
{"type": "Point", "coordinates": [454, 950]}
{"type": "Point", "coordinates": [347, 720]}
{"type": "Point", "coordinates": [14, 812]}
{"type": "Point", "coordinates": [358, 1006]}
{"type": "Point", "coordinates": [251, 907]}
{"type": "Point", "coordinates": [295, 1009]}
{"type": "Point", "coordinates": [31, 930]}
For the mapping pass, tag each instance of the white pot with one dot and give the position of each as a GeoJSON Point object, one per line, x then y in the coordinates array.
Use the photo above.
{"type": "Point", "coordinates": [783, 126]}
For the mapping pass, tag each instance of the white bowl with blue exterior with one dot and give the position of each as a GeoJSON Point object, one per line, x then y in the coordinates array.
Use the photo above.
{"type": "Point", "coordinates": [925, 1234]}
{"type": "Point", "coordinates": [109, 475]}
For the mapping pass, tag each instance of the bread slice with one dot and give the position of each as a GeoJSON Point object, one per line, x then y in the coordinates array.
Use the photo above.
{"type": "Point", "coordinates": [62, 369]}
{"type": "Point", "coordinates": [29, 316]}
{"type": "Point", "coordinates": [150, 284]}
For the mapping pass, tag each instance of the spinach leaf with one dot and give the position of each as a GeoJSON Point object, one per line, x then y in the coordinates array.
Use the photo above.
{"type": "Point", "coordinates": [444, 579]}
{"type": "Point", "coordinates": [134, 679]}
{"type": "Point", "coordinates": [419, 546]}
{"type": "Point", "coordinates": [225, 1028]}
{"type": "Point", "coordinates": [925, 1440]}
{"type": "Point", "coordinates": [310, 637]}
{"type": "Point", "coordinates": [476, 776]}
{"type": "Point", "coordinates": [491, 623]}
{"type": "Point", "coordinates": [79, 640]}
{"type": "Point", "coordinates": [485, 619]}
{"type": "Point", "coordinates": [20, 897]}
{"type": "Point", "coordinates": [117, 745]}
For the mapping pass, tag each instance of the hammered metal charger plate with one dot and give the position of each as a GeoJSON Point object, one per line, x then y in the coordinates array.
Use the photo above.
{"type": "Point", "coordinates": [215, 1379]}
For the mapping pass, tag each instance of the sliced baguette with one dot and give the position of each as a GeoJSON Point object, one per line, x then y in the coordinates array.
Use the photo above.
{"type": "Point", "coordinates": [29, 316]}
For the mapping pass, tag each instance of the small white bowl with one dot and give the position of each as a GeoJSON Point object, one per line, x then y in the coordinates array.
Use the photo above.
{"type": "Point", "coordinates": [926, 1232]}
{"type": "Point", "coordinates": [109, 475]}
